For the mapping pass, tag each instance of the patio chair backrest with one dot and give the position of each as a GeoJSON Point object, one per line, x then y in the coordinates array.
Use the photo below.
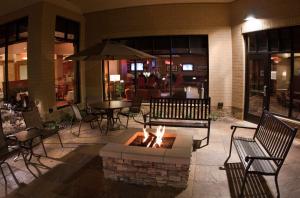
{"type": "Point", "coordinates": [136, 105]}
{"type": "Point", "coordinates": [32, 118]}
{"type": "Point", "coordinates": [90, 100]}
{"type": "Point", "coordinates": [76, 112]}
{"type": "Point", "coordinates": [3, 143]}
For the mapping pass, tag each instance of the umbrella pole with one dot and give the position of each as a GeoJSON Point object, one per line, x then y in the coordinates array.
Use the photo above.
{"type": "Point", "coordinates": [109, 91]}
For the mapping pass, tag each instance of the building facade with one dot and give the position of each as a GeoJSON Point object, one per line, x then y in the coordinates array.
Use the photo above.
{"type": "Point", "coordinates": [223, 23]}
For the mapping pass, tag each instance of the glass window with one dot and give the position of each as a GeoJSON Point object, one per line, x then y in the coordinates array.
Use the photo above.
{"type": "Point", "coordinates": [162, 45]}
{"type": "Point", "coordinates": [22, 28]}
{"type": "Point", "coordinates": [145, 44]}
{"type": "Point", "coordinates": [285, 39]}
{"type": "Point", "coordinates": [296, 87]}
{"type": "Point", "coordinates": [199, 45]}
{"type": "Point", "coordinates": [189, 74]}
{"type": "Point", "coordinates": [252, 47]}
{"type": "Point", "coordinates": [64, 74]}
{"type": "Point", "coordinates": [262, 41]}
{"type": "Point", "coordinates": [296, 37]}
{"type": "Point", "coordinates": [180, 44]}
{"type": "Point", "coordinates": [2, 36]}
{"type": "Point", "coordinates": [274, 40]}
{"type": "Point", "coordinates": [178, 75]}
{"type": "Point", "coordinates": [72, 30]}
{"type": "Point", "coordinates": [12, 32]}
{"type": "Point", "coordinates": [60, 27]}
{"type": "Point", "coordinates": [17, 71]}
{"type": "Point", "coordinates": [280, 83]}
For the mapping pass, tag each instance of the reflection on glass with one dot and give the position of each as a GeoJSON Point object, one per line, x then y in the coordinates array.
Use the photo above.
{"type": "Point", "coordinates": [186, 75]}
{"type": "Point", "coordinates": [256, 86]}
{"type": "Point", "coordinates": [17, 71]}
{"type": "Point", "coordinates": [296, 98]}
{"type": "Point", "coordinates": [64, 73]}
{"type": "Point", "coordinates": [189, 76]}
{"type": "Point", "coordinates": [280, 83]}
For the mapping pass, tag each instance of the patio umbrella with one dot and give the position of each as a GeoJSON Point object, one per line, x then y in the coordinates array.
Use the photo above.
{"type": "Point", "coordinates": [109, 51]}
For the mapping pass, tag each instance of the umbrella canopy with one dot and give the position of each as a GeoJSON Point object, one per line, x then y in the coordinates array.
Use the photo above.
{"type": "Point", "coordinates": [109, 51]}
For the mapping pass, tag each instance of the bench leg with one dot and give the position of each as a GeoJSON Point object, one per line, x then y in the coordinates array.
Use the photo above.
{"type": "Point", "coordinates": [277, 187]}
{"type": "Point", "coordinates": [228, 155]}
{"type": "Point", "coordinates": [208, 133]}
{"type": "Point", "coordinates": [127, 122]}
{"type": "Point", "coordinates": [230, 147]}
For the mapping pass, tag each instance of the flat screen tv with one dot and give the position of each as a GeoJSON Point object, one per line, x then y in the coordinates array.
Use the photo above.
{"type": "Point", "coordinates": [139, 66]}
{"type": "Point", "coordinates": [187, 67]}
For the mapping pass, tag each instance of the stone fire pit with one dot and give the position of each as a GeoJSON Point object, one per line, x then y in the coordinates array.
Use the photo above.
{"type": "Point", "coordinates": [148, 166]}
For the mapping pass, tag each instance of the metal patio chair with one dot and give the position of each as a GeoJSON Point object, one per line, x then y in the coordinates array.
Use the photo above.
{"type": "Point", "coordinates": [33, 120]}
{"type": "Point", "coordinates": [132, 111]}
{"type": "Point", "coordinates": [87, 118]}
{"type": "Point", "coordinates": [102, 114]}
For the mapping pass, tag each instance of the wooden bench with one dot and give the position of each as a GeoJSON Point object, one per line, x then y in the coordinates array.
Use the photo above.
{"type": "Point", "coordinates": [265, 153]}
{"type": "Point", "coordinates": [175, 112]}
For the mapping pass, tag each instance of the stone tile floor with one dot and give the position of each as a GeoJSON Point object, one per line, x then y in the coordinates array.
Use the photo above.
{"type": "Point", "coordinates": [75, 170]}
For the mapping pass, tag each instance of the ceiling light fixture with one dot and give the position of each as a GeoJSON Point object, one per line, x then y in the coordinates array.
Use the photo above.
{"type": "Point", "coordinates": [250, 18]}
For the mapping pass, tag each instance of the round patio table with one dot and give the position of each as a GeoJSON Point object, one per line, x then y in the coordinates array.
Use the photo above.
{"type": "Point", "coordinates": [109, 107]}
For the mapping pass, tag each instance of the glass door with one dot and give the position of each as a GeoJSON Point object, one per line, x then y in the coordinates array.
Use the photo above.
{"type": "Point", "coordinates": [256, 86]}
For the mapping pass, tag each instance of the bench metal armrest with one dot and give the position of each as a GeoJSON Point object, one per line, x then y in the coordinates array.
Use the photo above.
{"type": "Point", "coordinates": [242, 127]}
{"type": "Point", "coordinates": [247, 158]}
{"type": "Point", "coordinates": [234, 127]}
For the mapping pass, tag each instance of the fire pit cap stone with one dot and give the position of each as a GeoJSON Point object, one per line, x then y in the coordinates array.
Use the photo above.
{"type": "Point", "coordinates": [112, 150]}
{"type": "Point", "coordinates": [185, 141]}
{"type": "Point", "coordinates": [178, 156]}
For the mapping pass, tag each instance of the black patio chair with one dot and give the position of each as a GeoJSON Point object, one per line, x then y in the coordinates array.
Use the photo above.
{"type": "Point", "coordinates": [132, 111]}
{"type": "Point", "coordinates": [87, 118]}
{"type": "Point", "coordinates": [102, 114]}
{"type": "Point", "coordinates": [33, 120]}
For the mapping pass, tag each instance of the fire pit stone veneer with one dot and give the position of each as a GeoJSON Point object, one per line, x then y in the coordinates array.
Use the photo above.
{"type": "Point", "coordinates": [149, 166]}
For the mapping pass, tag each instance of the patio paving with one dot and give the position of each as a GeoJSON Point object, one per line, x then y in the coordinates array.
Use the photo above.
{"type": "Point", "coordinates": [75, 170]}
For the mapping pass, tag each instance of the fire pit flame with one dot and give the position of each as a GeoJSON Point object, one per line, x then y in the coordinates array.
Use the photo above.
{"type": "Point", "coordinates": [146, 135]}
{"type": "Point", "coordinates": [160, 131]}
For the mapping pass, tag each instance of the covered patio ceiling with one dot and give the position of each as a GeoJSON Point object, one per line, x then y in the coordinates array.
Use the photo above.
{"type": "Point", "coordinates": [98, 5]}
{"type": "Point", "coordinates": [88, 6]}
